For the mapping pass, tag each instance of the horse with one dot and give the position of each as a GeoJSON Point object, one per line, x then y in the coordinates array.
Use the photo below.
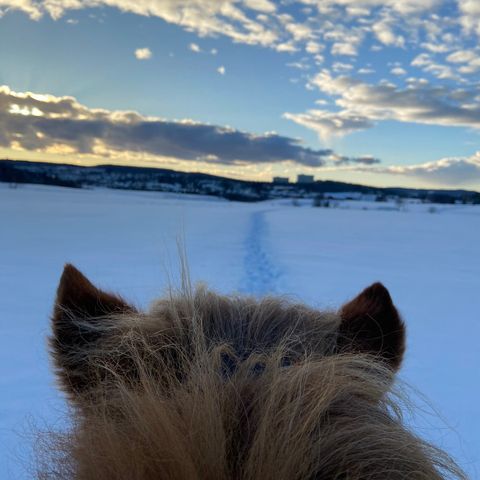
{"type": "Point", "coordinates": [210, 386]}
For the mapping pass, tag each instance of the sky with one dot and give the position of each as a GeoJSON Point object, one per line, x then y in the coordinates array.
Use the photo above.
{"type": "Point", "coordinates": [382, 92]}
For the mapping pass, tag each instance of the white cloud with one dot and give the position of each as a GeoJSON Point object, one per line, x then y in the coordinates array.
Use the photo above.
{"type": "Point", "coordinates": [31, 8]}
{"type": "Point", "coordinates": [362, 104]}
{"type": "Point", "coordinates": [421, 60]}
{"type": "Point", "coordinates": [143, 53]}
{"type": "Point", "coordinates": [357, 11]}
{"type": "Point", "coordinates": [342, 67]}
{"type": "Point", "coordinates": [470, 60]}
{"type": "Point", "coordinates": [436, 47]}
{"type": "Point", "coordinates": [427, 64]}
{"type": "Point", "coordinates": [470, 15]}
{"type": "Point", "coordinates": [384, 32]}
{"type": "Point", "coordinates": [366, 71]}
{"type": "Point", "coordinates": [205, 17]}
{"type": "Point", "coordinates": [313, 47]}
{"type": "Point", "coordinates": [286, 47]}
{"type": "Point", "coordinates": [328, 124]}
{"type": "Point", "coordinates": [454, 171]}
{"type": "Point", "coordinates": [472, 67]}
{"type": "Point", "coordinates": [261, 5]}
{"type": "Point", "coordinates": [344, 48]}
{"type": "Point", "coordinates": [341, 25]}
{"type": "Point", "coordinates": [299, 31]}
{"type": "Point", "coordinates": [405, 7]}
{"type": "Point", "coordinates": [462, 56]}
{"type": "Point", "coordinates": [221, 70]}
{"type": "Point", "coordinates": [195, 48]}
{"type": "Point", "coordinates": [398, 71]}
{"type": "Point", "coordinates": [299, 65]}
{"type": "Point", "coordinates": [346, 40]}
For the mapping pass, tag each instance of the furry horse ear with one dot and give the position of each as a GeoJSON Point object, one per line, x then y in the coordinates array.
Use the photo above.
{"type": "Point", "coordinates": [371, 324]}
{"type": "Point", "coordinates": [78, 311]}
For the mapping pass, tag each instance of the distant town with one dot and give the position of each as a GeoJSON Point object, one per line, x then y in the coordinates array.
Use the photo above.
{"type": "Point", "coordinates": [16, 173]}
{"type": "Point", "coordinates": [300, 179]}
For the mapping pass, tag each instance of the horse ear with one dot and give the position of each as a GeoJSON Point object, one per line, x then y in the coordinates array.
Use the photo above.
{"type": "Point", "coordinates": [371, 324]}
{"type": "Point", "coordinates": [77, 314]}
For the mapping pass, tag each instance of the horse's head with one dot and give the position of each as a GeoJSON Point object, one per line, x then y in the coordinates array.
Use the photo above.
{"type": "Point", "coordinates": [211, 386]}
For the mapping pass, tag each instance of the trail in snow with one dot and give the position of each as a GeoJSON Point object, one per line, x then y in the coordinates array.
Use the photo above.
{"type": "Point", "coordinates": [261, 272]}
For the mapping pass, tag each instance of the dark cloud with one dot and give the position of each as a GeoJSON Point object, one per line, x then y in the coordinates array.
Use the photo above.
{"type": "Point", "coordinates": [364, 160]}
{"type": "Point", "coordinates": [40, 122]}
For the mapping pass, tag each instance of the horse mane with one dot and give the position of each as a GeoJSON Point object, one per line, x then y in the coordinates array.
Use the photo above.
{"type": "Point", "coordinates": [207, 386]}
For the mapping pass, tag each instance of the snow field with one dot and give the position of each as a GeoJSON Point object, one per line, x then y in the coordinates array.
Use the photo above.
{"type": "Point", "coordinates": [126, 242]}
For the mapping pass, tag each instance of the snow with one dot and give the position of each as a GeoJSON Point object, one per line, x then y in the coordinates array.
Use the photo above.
{"type": "Point", "coordinates": [126, 241]}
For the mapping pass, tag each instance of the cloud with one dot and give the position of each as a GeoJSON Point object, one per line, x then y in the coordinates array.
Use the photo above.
{"type": "Point", "coordinates": [470, 60]}
{"type": "Point", "coordinates": [50, 124]}
{"type": "Point", "coordinates": [221, 70]}
{"type": "Point", "coordinates": [435, 47]}
{"type": "Point", "coordinates": [327, 124]}
{"type": "Point", "coordinates": [454, 171]}
{"type": "Point", "coordinates": [398, 71]}
{"type": "Point", "coordinates": [362, 104]}
{"type": "Point", "coordinates": [361, 6]}
{"type": "Point", "coordinates": [384, 32]}
{"type": "Point", "coordinates": [344, 48]}
{"type": "Point", "coordinates": [470, 15]}
{"type": "Point", "coordinates": [143, 53]}
{"type": "Point", "coordinates": [194, 48]}
{"type": "Point", "coordinates": [341, 27]}
{"type": "Point", "coordinates": [344, 28]}
{"type": "Point", "coordinates": [261, 5]}
{"type": "Point", "coordinates": [206, 17]}
{"type": "Point", "coordinates": [363, 160]}
{"type": "Point", "coordinates": [32, 9]}
{"type": "Point", "coordinates": [462, 56]}
{"type": "Point", "coordinates": [427, 64]}
{"type": "Point", "coordinates": [313, 47]}
{"type": "Point", "coordinates": [366, 71]}
{"type": "Point", "coordinates": [342, 67]}
{"type": "Point", "coordinates": [342, 23]}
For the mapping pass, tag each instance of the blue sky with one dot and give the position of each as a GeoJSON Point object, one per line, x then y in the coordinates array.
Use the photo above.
{"type": "Point", "coordinates": [372, 91]}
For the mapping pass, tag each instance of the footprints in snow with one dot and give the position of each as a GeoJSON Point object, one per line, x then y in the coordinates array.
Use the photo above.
{"type": "Point", "coordinates": [261, 273]}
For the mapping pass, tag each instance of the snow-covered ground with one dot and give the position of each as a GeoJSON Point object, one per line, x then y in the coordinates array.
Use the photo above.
{"type": "Point", "coordinates": [126, 241]}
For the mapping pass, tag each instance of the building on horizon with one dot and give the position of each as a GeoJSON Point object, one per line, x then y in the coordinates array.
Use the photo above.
{"type": "Point", "coordinates": [305, 178]}
{"type": "Point", "coordinates": [281, 180]}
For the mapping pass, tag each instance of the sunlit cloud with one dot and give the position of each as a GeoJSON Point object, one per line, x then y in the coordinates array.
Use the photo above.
{"type": "Point", "coordinates": [61, 125]}
{"type": "Point", "coordinates": [264, 22]}
{"type": "Point", "coordinates": [362, 104]}
{"type": "Point", "coordinates": [328, 124]}
{"type": "Point", "coordinates": [195, 48]}
{"type": "Point", "coordinates": [450, 172]}
{"type": "Point", "coordinates": [398, 71]}
{"type": "Point", "coordinates": [143, 53]}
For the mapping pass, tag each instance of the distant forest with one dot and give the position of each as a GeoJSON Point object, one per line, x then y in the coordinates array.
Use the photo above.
{"type": "Point", "coordinates": [162, 180]}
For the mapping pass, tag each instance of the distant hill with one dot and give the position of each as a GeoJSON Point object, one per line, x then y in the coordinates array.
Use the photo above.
{"type": "Point", "coordinates": [163, 180]}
